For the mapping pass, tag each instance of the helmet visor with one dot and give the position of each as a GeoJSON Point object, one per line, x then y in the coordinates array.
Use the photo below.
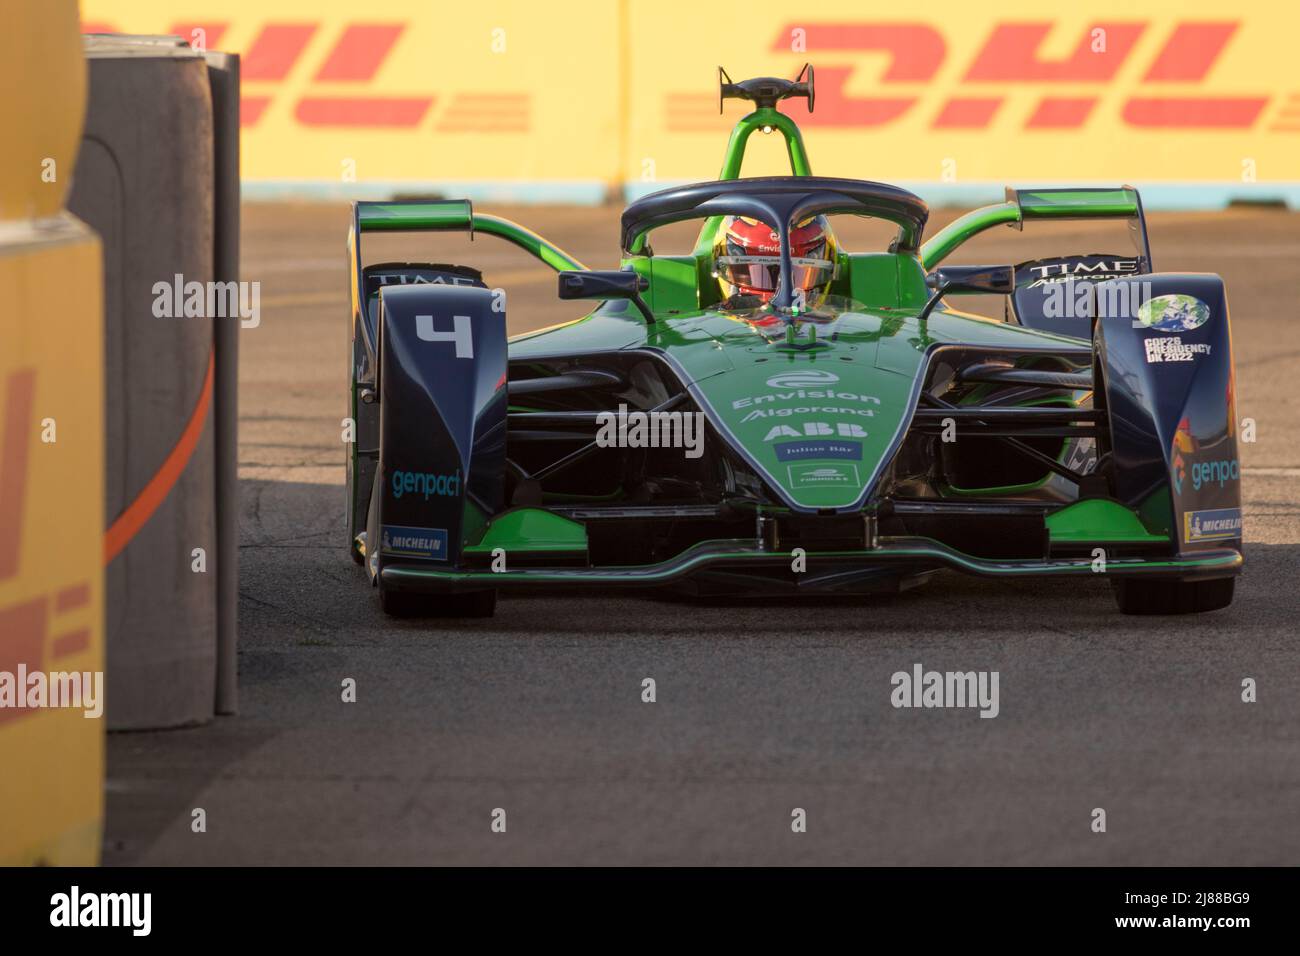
{"type": "Point", "coordinates": [763, 273]}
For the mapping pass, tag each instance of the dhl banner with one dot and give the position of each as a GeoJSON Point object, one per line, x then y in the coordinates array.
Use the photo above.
{"type": "Point", "coordinates": [1196, 101]}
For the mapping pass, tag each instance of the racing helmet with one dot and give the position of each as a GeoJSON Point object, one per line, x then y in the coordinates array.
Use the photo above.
{"type": "Point", "coordinates": [747, 258]}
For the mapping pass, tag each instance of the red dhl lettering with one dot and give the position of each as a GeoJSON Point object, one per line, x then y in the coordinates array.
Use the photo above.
{"type": "Point", "coordinates": [1009, 58]}
{"type": "Point", "coordinates": [356, 56]}
{"type": "Point", "coordinates": [24, 625]}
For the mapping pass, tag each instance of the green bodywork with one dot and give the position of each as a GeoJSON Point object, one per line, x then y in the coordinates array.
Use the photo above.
{"type": "Point", "coordinates": [1099, 521]}
{"type": "Point", "coordinates": [854, 364]}
{"type": "Point", "coordinates": [877, 357]}
{"type": "Point", "coordinates": [533, 531]}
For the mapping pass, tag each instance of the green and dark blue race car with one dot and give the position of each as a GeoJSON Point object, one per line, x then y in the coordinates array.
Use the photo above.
{"type": "Point", "coordinates": [774, 414]}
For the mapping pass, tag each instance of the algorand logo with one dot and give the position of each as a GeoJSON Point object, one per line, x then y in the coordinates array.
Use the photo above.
{"type": "Point", "coordinates": [807, 378]}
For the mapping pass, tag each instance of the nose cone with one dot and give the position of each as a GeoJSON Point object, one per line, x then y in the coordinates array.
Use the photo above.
{"type": "Point", "coordinates": [818, 425]}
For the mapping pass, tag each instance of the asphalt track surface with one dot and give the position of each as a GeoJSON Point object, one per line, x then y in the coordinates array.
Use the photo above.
{"type": "Point", "coordinates": [761, 708]}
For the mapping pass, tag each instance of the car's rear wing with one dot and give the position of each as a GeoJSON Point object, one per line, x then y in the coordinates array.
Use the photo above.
{"type": "Point", "coordinates": [449, 215]}
{"type": "Point", "coordinates": [1120, 202]}
{"type": "Point", "coordinates": [436, 215]}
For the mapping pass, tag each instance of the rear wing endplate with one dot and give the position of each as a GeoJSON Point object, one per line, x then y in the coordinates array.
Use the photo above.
{"type": "Point", "coordinates": [450, 215]}
{"type": "Point", "coordinates": [1120, 202]}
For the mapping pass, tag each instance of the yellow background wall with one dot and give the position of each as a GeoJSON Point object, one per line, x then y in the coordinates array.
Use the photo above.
{"type": "Point", "coordinates": [625, 91]}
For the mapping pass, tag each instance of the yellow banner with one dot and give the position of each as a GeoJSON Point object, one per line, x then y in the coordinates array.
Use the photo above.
{"type": "Point", "coordinates": [51, 456]}
{"type": "Point", "coordinates": [626, 92]}
{"type": "Point", "coordinates": [51, 549]}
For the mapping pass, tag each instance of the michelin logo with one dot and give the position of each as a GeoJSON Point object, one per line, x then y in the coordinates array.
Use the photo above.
{"type": "Point", "coordinates": [1218, 525]}
{"type": "Point", "coordinates": [429, 543]}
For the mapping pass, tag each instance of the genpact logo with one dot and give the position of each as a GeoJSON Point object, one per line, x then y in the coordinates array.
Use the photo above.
{"type": "Point", "coordinates": [420, 483]}
{"type": "Point", "coordinates": [808, 378]}
{"type": "Point", "coordinates": [1208, 472]}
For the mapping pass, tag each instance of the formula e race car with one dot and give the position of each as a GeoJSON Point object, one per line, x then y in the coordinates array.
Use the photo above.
{"type": "Point", "coordinates": [774, 414]}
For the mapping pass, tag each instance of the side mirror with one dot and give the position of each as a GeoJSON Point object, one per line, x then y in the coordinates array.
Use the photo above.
{"type": "Point", "coordinates": [611, 284]}
{"type": "Point", "coordinates": [991, 280]}
{"type": "Point", "coordinates": [994, 280]}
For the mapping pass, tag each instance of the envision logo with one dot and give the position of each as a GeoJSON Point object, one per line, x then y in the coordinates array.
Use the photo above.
{"type": "Point", "coordinates": [807, 378]}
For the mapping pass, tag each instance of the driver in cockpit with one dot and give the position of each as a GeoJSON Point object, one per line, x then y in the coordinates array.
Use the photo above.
{"type": "Point", "coordinates": [747, 262]}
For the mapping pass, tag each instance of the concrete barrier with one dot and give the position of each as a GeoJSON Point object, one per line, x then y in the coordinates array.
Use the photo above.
{"type": "Point", "coordinates": [148, 181]}
{"type": "Point", "coordinates": [223, 75]}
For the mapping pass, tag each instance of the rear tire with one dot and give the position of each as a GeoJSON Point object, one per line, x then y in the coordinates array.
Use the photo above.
{"type": "Point", "coordinates": [416, 604]}
{"type": "Point", "coordinates": [1155, 596]}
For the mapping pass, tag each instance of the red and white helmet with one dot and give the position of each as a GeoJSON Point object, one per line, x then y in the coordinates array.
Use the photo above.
{"type": "Point", "coordinates": [747, 257]}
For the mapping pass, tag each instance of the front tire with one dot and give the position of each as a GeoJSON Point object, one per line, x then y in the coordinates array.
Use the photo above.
{"type": "Point", "coordinates": [1156, 596]}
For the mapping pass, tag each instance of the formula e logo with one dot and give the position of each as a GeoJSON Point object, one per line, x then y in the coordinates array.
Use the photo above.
{"type": "Point", "coordinates": [821, 474]}
{"type": "Point", "coordinates": [460, 334]}
{"type": "Point", "coordinates": [808, 378]}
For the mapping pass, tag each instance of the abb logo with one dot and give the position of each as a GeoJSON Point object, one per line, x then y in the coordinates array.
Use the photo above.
{"type": "Point", "coordinates": [23, 626]}
{"type": "Point", "coordinates": [915, 53]}
{"type": "Point", "coordinates": [354, 56]}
